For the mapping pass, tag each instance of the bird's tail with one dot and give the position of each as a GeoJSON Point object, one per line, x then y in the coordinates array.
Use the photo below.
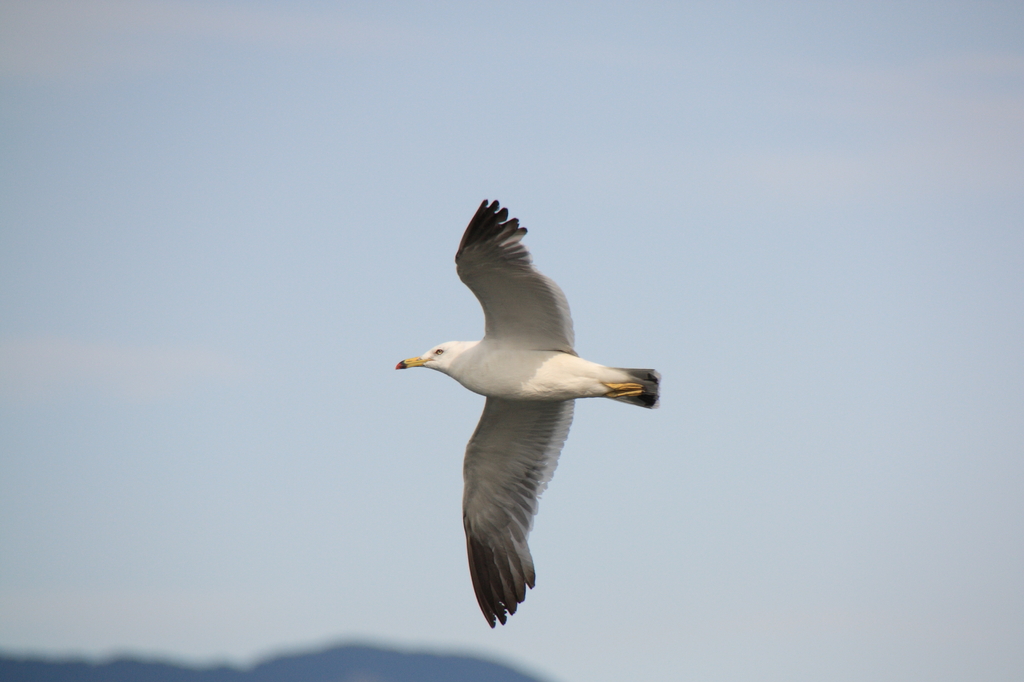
{"type": "Point", "coordinates": [648, 379]}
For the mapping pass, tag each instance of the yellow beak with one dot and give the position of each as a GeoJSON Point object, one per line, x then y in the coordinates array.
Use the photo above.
{"type": "Point", "coordinates": [411, 362]}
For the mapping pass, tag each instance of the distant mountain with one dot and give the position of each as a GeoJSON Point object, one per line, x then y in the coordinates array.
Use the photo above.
{"type": "Point", "coordinates": [339, 664]}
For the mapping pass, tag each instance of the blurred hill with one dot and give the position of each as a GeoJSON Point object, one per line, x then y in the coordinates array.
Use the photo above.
{"type": "Point", "coordinates": [338, 664]}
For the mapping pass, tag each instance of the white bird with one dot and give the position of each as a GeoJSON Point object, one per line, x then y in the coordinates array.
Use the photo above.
{"type": "Point", "coordinates": [526, 367]}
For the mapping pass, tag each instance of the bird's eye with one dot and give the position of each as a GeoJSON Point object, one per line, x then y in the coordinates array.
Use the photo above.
{"type": "Point", "coordinates": [438, 351]}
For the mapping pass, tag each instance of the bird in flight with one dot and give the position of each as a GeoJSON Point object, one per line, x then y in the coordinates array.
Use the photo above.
{"type": "Point", "coordinates": [526, 367]}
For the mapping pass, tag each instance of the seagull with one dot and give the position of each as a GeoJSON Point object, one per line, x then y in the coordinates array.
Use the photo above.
{"type": "Point", "coordinates": [526, 367]}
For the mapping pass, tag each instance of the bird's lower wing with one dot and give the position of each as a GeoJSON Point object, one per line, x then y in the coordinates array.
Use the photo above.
{"type": "Point", "coordinates": [509, 461]}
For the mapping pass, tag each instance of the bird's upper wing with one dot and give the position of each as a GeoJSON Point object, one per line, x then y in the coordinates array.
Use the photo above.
{"type": "Point", "coordinates": [509, 461]}
{"type": "Point", "coordinates": [522, 307]}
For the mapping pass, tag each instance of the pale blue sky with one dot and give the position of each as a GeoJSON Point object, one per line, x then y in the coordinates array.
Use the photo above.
{"type": "Point", "coordinates": [223, 223]}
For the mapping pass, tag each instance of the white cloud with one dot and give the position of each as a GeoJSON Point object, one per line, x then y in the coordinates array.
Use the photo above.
{"type": "Point", "coordinates": [938, 127]}
{"type": "Point", "coordinates": [98, 38]}
{"type": "Point", "coordinates": [40, 369]}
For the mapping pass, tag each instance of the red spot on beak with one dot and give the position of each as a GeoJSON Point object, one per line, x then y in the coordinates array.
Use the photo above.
{"type": "Point", "coordinates": [400, 365]}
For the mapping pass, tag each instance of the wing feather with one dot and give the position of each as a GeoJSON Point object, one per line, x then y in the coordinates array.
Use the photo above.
{"type": "Point", "coordinates": [509, 461]}
{"type": "Point", "coordinates": [521, 306]}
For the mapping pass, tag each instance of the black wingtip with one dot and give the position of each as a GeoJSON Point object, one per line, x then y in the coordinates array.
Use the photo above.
{"type": "Point", "coordinates": [499, 590]}
{"type": "Point", "coordinates": [488, 221]}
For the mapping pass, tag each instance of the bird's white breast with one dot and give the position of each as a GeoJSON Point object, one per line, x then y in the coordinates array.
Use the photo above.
{"type": "Point", "coordinates": [530, 375]}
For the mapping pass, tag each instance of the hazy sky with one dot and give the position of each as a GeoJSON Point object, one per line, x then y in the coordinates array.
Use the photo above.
{"type": "Point", "coordinates": [223, 223]}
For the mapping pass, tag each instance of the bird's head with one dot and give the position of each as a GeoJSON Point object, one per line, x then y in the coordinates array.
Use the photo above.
{"type": "Point", "coordinates": [439, 357]}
